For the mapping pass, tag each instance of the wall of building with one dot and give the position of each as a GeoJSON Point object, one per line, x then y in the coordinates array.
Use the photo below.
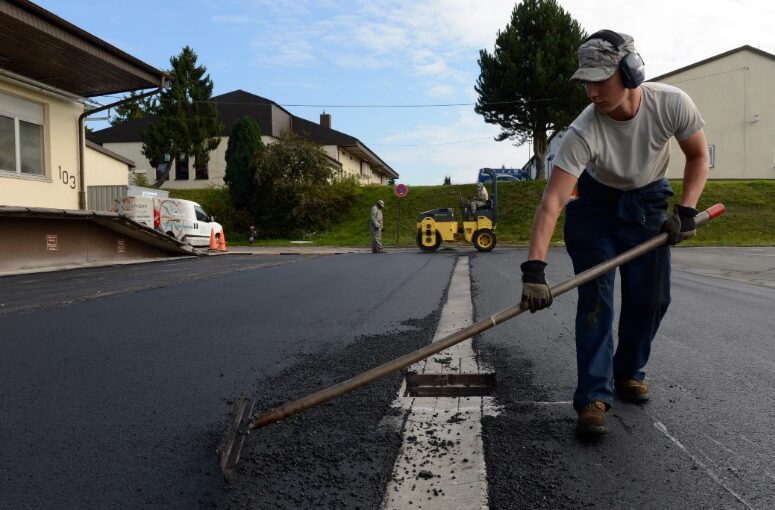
{"type": "Point", "coordinates": [58, 187]}
{"type": "Point", "coordinates": [41, 243]}
{"type": "Point", "coordinates": [216, 168]}
{"type": "Point", "coordinates": [102, 170]}
{"type": "Point", "coordinates": [729, 92]}
{"type": "Point", "coordinates": [352, 166]}
{"type": "Point", "coordinates": [281, 121]}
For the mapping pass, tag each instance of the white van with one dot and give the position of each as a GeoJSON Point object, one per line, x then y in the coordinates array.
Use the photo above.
{"type": "Point", "coordinates": [184, 220]}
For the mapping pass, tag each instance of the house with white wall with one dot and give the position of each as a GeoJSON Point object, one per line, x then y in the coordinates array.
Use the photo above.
{"type": "Point", "coordinates": [348, 156]}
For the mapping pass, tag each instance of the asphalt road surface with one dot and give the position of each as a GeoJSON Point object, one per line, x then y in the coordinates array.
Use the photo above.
{"type": "Point", "coordinates": [116, 385]}
{"type": "Point", "coordinates": [705, 440]}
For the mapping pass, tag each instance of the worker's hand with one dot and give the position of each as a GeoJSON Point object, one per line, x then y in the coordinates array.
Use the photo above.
{"type": "Point", "coordinates": [536, 293]}
{"type": "Point", "coordinates": [680, 225]}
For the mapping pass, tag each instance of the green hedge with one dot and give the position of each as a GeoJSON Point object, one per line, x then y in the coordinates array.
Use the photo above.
{"type": "Point", "coordinates": [749, 220]}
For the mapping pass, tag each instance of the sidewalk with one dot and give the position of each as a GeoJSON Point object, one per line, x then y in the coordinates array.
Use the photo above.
{"type": "Point", "coordinates": [752, 264]}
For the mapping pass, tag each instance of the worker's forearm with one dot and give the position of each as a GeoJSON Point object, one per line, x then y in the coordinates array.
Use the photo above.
{"type": "Point", "coordinates": [543, 228]}
{"type": "Point", "coordinates": [695, 175]}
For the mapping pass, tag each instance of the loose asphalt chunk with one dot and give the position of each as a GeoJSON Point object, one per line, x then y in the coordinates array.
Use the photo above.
{"type": "Point", "coordinates": [337, 455]}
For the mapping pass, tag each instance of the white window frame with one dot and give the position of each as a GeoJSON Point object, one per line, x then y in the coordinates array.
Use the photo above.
{"type": "Point", "coordinates": [712, 155]}
{"type": "Point", "coordinates": [24, 110]}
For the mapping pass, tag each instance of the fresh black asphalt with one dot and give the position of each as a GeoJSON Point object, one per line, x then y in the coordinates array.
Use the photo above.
{"type": "Point", "coordinates": [120, 402]}
{"type": "Point", "coordinates": [116, 385]}
{"type": "Point", "coordinates": [704, 441]}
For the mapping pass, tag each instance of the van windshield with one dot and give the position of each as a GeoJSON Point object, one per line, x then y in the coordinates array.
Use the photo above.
{"type": "Point", "coordinates": [201, 215]}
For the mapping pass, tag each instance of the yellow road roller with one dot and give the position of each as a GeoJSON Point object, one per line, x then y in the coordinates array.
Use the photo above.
{"type": "Point", "coordinates": [477, 225]}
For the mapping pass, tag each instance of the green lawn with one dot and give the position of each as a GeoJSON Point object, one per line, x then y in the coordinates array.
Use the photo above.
{"type": "Point", "coordinates": [748, 221]}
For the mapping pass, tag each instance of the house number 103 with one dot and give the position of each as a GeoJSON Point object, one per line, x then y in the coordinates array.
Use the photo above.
{"type": "Point", "coordinates": [67, 179]}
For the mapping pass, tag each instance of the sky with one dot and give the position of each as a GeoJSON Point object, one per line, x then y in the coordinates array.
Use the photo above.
{"type": "Point", "coordinates": [381, 68]}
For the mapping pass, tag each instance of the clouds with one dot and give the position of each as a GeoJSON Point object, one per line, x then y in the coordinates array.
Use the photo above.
{"type": "Point", "coordinates": [425, 39]}
{"type": "Point", "coordinates": [408, 52]}
{"type": "Point", "coordinates": [458, 148]}
{"type": "Point", "coordinates": [231, 20]}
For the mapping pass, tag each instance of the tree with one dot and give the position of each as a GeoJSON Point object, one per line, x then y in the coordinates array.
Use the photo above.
{"type": "Point", "coordinates": [524, 84]}
{"type": "Point", "coordinates": [139, 180]}
{"type": "Point", "coordinates": [188, 122]}
{"type": "Point", "coordinates": [242, 153]}
{"type": "Point", "coordinates": [132, 110]}
{"type": "Point", "coordinates": [447, 180]}
{"type": "Point", "coordinates": [295, 191]}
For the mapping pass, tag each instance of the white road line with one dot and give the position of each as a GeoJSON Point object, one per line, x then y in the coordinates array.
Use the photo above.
{"type": "Point", "coordinates": [441, 463]}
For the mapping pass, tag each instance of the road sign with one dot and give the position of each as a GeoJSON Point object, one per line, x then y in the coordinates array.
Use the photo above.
{"type": "Point", "coordinates": [401, 190]}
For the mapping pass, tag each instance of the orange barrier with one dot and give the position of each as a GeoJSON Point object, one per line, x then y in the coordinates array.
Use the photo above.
{"type": "Point", "coordinates": [222, 246]}
{"type": "Point", "coordinates": [213, 242]}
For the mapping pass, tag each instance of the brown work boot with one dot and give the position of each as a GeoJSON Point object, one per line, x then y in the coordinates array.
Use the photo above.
{"type": "Point", "coordinates": [592, 420]}
{"type": "Point", "coordinates": [632, 390]}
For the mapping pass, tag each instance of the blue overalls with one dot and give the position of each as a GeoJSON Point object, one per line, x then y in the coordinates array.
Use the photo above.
{"type": "Point", "coordinates": [602, 223]}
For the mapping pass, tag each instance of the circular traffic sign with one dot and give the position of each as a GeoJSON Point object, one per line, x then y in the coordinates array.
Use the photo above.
{"type": "Point", "coordinates": [401, 190]}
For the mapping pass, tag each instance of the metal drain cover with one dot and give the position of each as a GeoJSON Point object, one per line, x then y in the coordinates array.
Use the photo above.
{"type": "Point", "coordinates": [449, 385]}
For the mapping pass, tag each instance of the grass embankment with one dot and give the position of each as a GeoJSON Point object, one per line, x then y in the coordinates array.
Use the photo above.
{"type": "Point", "coordinates": [749, 220]}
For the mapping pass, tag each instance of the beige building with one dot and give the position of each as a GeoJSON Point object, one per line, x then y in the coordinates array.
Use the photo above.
{"type": "Point", "coordinates": [44, 91]}
{"type": "Point", "coordinates": [348, 155]}
{"type": "Point", "coordinates": [48, 70]}
{"type": "Point", "coordinates": [733, 92]}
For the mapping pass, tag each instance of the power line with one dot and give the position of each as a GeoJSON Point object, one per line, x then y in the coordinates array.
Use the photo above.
{"type": "Point", "coordinates": [430, 105]}
{"type": "Point", "coordinates": [430, 144]}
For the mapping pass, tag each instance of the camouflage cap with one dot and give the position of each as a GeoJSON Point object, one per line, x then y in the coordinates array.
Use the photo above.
{"type": "Point", "coordinates": [599, 59]}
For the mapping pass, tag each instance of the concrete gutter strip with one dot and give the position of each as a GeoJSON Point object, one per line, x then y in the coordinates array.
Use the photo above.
{"type": "Point", "coordinates": [441, 463]}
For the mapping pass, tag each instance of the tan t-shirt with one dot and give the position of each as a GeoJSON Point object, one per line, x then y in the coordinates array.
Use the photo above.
{"type": "Point", "coordinates": [633, 153]}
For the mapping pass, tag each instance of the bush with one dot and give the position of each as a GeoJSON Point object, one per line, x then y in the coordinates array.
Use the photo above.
{"type": "Point", "coordinates": [296, 194]}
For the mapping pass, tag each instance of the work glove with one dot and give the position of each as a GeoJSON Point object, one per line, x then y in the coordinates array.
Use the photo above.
{"type": "Point", "coordinates": [536, 293]}
{"type": "Point", "coordinates": [680, 225]}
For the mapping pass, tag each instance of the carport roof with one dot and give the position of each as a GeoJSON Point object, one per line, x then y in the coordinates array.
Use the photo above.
{"type": "Point", "coordinates": [37, 44]}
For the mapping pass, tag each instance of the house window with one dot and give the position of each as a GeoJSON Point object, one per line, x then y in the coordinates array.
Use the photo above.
{"type": "Point", "coordinates": [181, 168]}
{"type": "Point", "coordinates": [160, 169]}
{"type": "Point", "coordinates": [201, 170]}
{"type": "Point", "coordinates": [21, 136]}
{"type": "Point", "coordinates": [711, 156]}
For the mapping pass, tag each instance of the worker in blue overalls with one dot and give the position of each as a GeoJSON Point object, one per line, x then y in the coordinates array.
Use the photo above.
{"type": "Point", "coordinates": [616, 153]}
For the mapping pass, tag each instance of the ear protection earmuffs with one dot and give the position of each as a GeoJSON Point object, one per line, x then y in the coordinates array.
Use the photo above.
{"type": "Point", "coordinates": [631, 65]}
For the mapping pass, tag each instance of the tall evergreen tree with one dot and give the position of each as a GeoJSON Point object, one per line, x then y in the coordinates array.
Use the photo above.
{"type": "Point", "coordinates": [241, 154]}
{"type": "Point", "coordinates": [132, 110]}
{"type": "Point", "coordinates": [524, 84]}
{"type": "Point", "coordinates": [188, 121]}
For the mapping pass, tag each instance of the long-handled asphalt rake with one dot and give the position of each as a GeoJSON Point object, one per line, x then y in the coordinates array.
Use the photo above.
{"type": "Point", "coordinates": [243, 421]}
